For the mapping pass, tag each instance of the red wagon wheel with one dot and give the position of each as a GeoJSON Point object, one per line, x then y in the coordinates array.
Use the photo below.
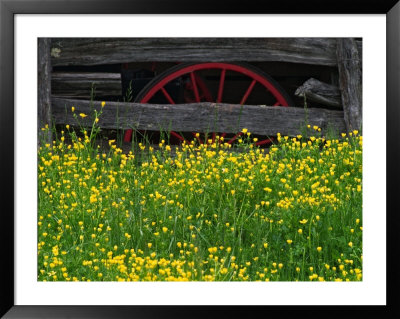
{"type": "Point", "coordinates": [208, 81]}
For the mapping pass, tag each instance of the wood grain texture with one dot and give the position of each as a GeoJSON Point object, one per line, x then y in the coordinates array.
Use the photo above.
{"type": "Point", "coordinates": [320, 92]}
{"type": "Point", "coordinates": [79, 84]}
{"type": "Point", "coordinates": [44, 89]}
{"type": "Point", "coordinates": [350, 82]}
{"type": "Point", "coordinates": [199, 117]}
{"type": "Point", "coordinates": [96, 51]}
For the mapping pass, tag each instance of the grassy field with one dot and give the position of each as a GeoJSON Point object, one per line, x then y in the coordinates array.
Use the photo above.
{"type": "Point", "coordinates": [208, 213]}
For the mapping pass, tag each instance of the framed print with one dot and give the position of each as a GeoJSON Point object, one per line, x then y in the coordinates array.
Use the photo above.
{"type": "Point", "coordinates": [141, 178]}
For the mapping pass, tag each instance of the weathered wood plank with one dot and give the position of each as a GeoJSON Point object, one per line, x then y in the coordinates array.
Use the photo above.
{"type": "Point", "coordinates": [79, 84]}
{"type": "Point", "coordinates": [199, 117]}
{"type": "Point", "coordinates": [95, 51]}
{"type": "Point", "coordinates": [323, 93]}
{"type": "Point", "coordinates": [350, 82]}
{"type": "Point", "coordinates": [44, 89]}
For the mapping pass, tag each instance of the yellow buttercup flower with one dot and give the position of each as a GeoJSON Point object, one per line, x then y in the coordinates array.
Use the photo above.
{"type": "Point", "coordinates": [198, 212]}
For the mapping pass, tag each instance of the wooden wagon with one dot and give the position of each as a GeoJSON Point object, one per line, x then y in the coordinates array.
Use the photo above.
{"type": "Point", "coordinates": [188, 85]}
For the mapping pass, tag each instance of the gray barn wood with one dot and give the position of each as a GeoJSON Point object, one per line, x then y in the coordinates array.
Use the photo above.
{"type": "Point", "coordinates": [96, 51]}
{"type": "Point", "coordinates": [79, 84]}
{"type": "Point", "coordinates": [323, 93]}
{"type": "Point", "coordinates": [350, 82]}
{"type": "Point", "coordinates": [44, 89]}
{"type": "Point", "coordinates": [199, 117]}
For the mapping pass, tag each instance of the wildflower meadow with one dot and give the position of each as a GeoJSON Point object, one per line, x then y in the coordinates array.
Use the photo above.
{"type": "Point", "coordinates": [200, 211]}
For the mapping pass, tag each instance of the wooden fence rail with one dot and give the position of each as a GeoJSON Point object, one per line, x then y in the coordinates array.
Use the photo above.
{"type": "Point", "coordinates": [96, 51]}
{"type": "Point", "coordinates": [79, 84]}
{"type": "Point", "coordinates": [198, 117]}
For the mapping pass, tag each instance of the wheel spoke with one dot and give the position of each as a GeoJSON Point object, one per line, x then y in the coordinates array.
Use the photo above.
{"type": "Point", "coordinates": [249, 89]}
{"type": "Point", "coordinates": [267, 141]}
{"type": "Point", "coordinates": [196, 90]}
{"type": "Point", "coordinates": [221, 86]}
{"type": "Point", "coordinates": [235, 137]}
{"type": "Point", "coordinates": [170, 100]}
{"type": "Point", "coordinates": [206, 94]}
{"type": "Point", "coordinates": [177, 135]}
{"type": "Point", "coordinates": [213, 138]}
{"type": "Point", "coordinates": [277, 103]}
{"type": "Point", "coordinates": [128, 135]}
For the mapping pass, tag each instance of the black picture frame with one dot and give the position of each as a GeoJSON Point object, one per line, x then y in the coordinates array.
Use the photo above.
{"type": "Point", "coordinates": [8, 10]}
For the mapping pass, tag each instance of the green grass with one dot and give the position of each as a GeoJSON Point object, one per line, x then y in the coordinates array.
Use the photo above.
{"type": "Point", "coordinates": [207, 213]}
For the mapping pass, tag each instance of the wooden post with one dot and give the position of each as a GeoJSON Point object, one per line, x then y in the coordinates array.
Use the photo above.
{"type": "Point", "coordinates": [350, 82]}
{"type": "Point", "coordinates": [44, 89]}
